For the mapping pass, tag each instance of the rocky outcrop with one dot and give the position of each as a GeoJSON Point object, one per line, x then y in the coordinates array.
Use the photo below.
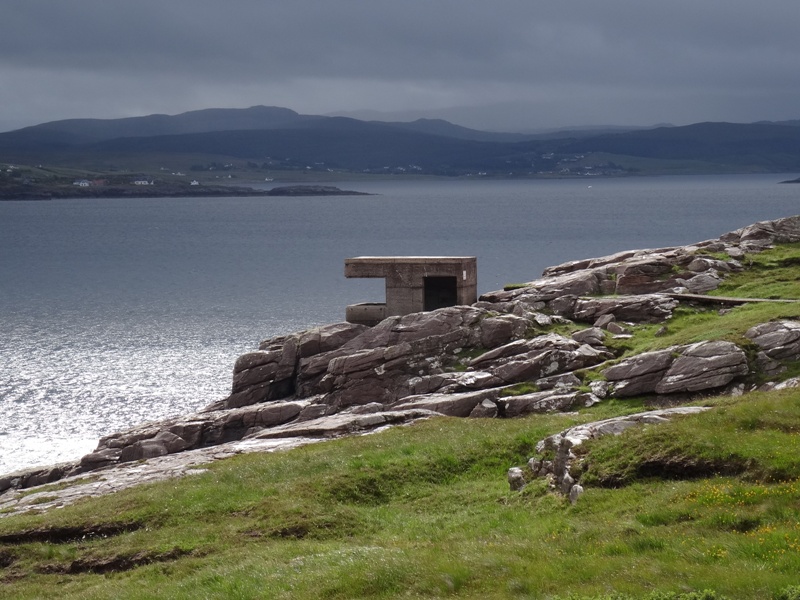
{"type": "Point", "coordinates": [649, 308]}
{"type": "Point", "coordinates": [641, 273]}
{"type": "Point", "coordinates": [777, 341]}
{"type": "Point", "coordinates": [555, 456]}
{"type": "Point", "coordinates": [469, 361]}
{"type": "Point", "coordinates": [678, 369]}
{"type": "Point", "coordinates": [271, 372]}
{"type": "Point", "coordinates": [312, 190]}
{"type": "Point", "coordinates": [763, 234]}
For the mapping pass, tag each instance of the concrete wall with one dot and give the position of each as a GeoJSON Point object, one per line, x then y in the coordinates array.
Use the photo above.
{"type": "Point", "coordinates": [405, 278]}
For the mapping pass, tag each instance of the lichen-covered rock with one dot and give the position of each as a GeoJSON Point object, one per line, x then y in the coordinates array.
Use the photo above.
{"type": "Point", "coordinates": [779, 231]}
{"type": "Point", "coordinates": [560, 447]}
{"type": "Point", "coordinates": [701, 283]}
{"type": "Point", "coordinates": [453, 382]}
{"type": "Point", "coordinates": [593, 336]}
{"type": "Point", "coordinates": [777, 341]}
{"type": "Point", "coordinates": [562, 381]}
{"type": "Point", "coordinates": [451, 405]}
{"type": "Point", "coordinates": [485, 410]}
{"type": "Point", "coordinates": [516, 479]}
{"type": "Point", "coordinates": [678, 369]}
{"type": "Point", "coordinates": [463, 321]}
{"type": "Point", "coordinates": [645, 275]}
{"type": "Point", "coordinates": [545, 402]}
{"type": "Point", "coordinates": [536, 365]}
{"type": "Point", "coordinates": [496, 331]}
{"type": "Point", "coordinates": [342, 423]}
{"type": "Point", "coordinates": [189, 432]}
{"type": "Point", "coordinates": [703, 366]}
{"type": "Point", "coordinates": [639, 374]}
{"type": "Point", "coordinates": [326, 338]}
{"type": "Point", "coordinates": [648, 308]}
{"type": "Point", "coordinates": [271, 372]}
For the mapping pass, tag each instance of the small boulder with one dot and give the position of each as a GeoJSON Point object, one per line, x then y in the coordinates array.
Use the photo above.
{"type": "Point", "coordinates": [593, 336]}
{"type": "Point", "coordinates": [516, 479]}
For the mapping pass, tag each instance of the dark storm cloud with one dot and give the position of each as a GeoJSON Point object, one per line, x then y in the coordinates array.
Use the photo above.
{"type": "Point", "coordinates": [501, 64]}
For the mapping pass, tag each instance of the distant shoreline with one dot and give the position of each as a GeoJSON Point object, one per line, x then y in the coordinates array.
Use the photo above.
{"type": "Point", "coordinates": [41, 193]}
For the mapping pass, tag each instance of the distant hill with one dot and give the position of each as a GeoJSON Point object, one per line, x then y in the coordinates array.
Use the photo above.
{"type": "Point", "coordinates": [82, 131]}
{"type": "Point", "coordinates": [447, 129]}
{"type": "Point", "coordinates": [336, 142]}
{"type": "Point", "coordinates": [771, 146]}
{"type": "Point", "coordinates": [284, 139]}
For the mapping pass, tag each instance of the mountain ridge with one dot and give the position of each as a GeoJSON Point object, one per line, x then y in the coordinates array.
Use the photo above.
{"type": "Point", "coordinates": [429, 146]}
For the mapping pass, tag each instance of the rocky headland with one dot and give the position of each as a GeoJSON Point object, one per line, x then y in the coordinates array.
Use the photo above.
{"type": "Point", "coordinates": [312, 190]}
{"type": "Point", "coordinates": [162, 190]}
{"type": "Point", "coordinates": [552, 344]}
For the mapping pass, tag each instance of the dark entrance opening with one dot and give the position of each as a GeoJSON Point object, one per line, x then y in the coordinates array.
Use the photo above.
{"type": "Point", "coordinates": [440, 292]}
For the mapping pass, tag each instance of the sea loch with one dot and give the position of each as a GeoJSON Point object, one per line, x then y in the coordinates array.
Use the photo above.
{"type": "Point", "coordinates": [115, 312]}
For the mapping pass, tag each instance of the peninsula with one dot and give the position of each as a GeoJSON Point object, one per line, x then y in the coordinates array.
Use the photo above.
{"type": "Point", "coordinates": [51, 191]}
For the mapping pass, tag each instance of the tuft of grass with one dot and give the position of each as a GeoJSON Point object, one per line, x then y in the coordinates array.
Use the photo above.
{"type": "Point", "coordinates": [773, 273]}
{"type": "Point", "coordinates": [518, 389]}
{"type": "Point", "coordinates": [754, 438]}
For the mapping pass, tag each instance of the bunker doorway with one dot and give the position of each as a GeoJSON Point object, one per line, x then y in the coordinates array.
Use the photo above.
{"type": "Point", "coordinates": [440, 292]}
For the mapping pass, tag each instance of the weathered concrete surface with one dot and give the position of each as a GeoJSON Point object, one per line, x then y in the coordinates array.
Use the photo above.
{"type": "Point", "coordinates": [416, 283]}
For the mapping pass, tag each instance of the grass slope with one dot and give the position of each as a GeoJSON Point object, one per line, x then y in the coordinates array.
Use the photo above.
{"type": "Point", "coordinates": [705, 507]}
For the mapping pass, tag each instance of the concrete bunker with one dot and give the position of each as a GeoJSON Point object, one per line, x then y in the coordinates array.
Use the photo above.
{"type": "Point", "coordinates": [413, 284]}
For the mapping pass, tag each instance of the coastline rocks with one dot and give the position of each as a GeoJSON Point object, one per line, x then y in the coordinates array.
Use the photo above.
{"type": "Point", "coordinates": [639, 374]}
{"type": "Point", "coordinates": [199, 430]}
{"type": "Point", "coordinates": [545, 402]}
{"type": "Point", "coordinates": [697, 268]}
{"type": "Point", "coordinates": [343, 423]}
{"type": "Point", "coordinates": [764, 233]}
{"type": "Point", "coordinates": [312, 190]}
{"type": "Point", "coordinates": [462, 360]}
{"type": "Point", "coordinates": [678, 369]}
{"type": "Point", "coordinates": [270, 372]}
{"type": "Point", "coordinates": [451, 405]}
{"type": "Point", "coordinates": [539, 357]}
{"type": "Point", "coordinates": [648, 308]}
{"type": "Point", "coordinates": [593, 336]}
{"type": "Point", "coordinates": [402, 356]}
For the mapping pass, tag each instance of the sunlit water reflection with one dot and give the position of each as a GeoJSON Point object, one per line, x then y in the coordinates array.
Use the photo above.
{"type": "Point", "coordinates": [118, 312]}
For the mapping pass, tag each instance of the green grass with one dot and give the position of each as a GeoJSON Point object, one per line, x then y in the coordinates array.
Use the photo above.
{"type": "Point", "coordinates": [774, 273]}
{"type": "Point", "coordinates": [705, 507]}
{"type": "Point", "coordinates": [755, 439]}
{"type": "Point", "coordinates": [695, 324]}
{"type": "Point", "coordinates": [425, 511]}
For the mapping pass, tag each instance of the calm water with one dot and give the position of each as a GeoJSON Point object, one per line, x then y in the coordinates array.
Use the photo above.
{"type": "Point", "coordinates": [115, 312]}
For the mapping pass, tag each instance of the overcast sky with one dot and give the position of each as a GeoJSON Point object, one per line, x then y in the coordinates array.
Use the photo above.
{"type": "Point", "coordinates": [501, 64]}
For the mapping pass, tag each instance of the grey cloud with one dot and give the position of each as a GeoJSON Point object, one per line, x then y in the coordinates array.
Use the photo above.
{"type": "Point", "coordinates": [596, 60]}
